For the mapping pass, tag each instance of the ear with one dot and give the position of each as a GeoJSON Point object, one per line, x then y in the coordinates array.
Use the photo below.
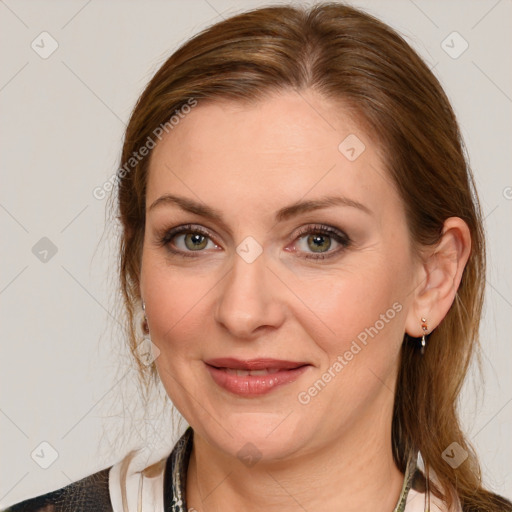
{"type": "Point", "coordinates": [439, 277]}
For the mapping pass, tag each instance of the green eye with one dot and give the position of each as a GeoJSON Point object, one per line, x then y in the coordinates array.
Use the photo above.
{"type": "Point", "coordinates": [195, 241]}
{"type": "Point", "coordinates": [186, 240]}
{"type": "Point", "coordinates": [319, 242]}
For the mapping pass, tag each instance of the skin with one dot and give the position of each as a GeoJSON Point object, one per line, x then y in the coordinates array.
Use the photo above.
{"type": "Point", "coordinates": [247, 162]}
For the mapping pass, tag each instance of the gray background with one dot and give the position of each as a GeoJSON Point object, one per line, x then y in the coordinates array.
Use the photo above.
{"type": "Point", "coordinates": [65, 378]}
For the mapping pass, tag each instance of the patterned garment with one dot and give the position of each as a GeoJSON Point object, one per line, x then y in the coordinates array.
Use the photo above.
{"type": "Point", "coordinates": [101, 491]}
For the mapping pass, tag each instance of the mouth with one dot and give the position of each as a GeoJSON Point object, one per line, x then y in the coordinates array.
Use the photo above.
{"type": "Point", "coordinates": [254, 377]}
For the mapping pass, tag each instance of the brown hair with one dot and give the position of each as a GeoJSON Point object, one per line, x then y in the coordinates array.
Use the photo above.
{"type": "Point", "coordinates": [344, 55]}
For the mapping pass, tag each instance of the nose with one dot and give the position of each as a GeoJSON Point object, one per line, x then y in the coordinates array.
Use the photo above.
{"type": "Point", "coordinates": [248, 302]}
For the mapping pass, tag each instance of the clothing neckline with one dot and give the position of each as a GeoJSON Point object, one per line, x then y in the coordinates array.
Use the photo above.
{"type": "Point", "coordinates": [175, 476]}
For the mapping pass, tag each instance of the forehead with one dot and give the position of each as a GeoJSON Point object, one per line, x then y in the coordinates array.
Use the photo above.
{"type": "Point", "coordinates": [281, 148]}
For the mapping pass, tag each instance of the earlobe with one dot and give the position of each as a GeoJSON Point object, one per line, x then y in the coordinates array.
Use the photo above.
{"type": "Point", "coordinates": [442, 271]}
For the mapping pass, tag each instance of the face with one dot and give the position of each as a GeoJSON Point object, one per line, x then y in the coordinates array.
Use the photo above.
{"type": "Point", "coordinates": [279, 315]}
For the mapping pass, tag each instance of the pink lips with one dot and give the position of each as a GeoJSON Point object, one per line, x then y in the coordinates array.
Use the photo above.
{"type": "Point", "coordinates": [254, 377]}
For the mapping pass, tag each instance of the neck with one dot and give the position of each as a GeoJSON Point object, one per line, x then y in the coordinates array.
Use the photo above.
{"type": "Point", "coordinates": [354, 473]}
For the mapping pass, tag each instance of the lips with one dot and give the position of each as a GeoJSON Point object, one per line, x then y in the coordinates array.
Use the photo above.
{"type": "Point", "coordinates": [254, 377]}
{"type": "Point", "coordinates": [254, 364]}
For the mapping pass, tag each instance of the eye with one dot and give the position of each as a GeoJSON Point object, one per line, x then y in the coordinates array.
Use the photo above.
{"type": "Point", "coordinates": [185, 240]}
{"type": "Point", "coordinates": [320, 239]}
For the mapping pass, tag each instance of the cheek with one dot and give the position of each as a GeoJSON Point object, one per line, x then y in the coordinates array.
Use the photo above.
{"type": "Point", "coordinates": [358, 344]}
{"type": "Point", "coordinates": [357, 314]}
{"type": "Point", "coordinates": [176, 301]}
{"type": "Point", "coordinates": [180, 313]}
{"type": "Point", "coordinates": [177, 305]}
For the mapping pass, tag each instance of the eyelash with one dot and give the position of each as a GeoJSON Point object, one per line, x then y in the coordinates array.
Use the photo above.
{"type": "Point", "coordinates": [340, 237]}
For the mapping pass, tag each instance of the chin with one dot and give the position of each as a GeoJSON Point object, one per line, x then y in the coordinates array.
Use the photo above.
{"type": "Point", "coordinates": [266, 436]}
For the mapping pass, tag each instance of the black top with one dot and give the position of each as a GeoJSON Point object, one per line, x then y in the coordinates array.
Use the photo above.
{"type": "Point", "coordinates": [90, 493]}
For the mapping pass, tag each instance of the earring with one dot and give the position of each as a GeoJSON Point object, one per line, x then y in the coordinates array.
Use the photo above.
{"type": "Point", "coordinates": [423, 337]}
{"type": "Point", "coordinates": [147, 352]}
{"type": "Point", "coordinates": [145, 326]}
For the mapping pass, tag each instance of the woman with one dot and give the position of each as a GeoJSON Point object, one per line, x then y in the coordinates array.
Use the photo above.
{"type": "Point", "coordinates": [300, 229]}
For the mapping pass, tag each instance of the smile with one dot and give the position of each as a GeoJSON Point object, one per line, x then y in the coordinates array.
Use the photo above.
{"type": "Point", "coordinates": [254, 377]}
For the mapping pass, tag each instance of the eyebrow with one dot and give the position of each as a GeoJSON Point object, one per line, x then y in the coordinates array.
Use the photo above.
{"type": "Point", "coordinates": [283, 214]}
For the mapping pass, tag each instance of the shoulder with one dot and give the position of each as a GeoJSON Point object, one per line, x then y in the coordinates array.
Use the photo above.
{"type": "Point", "coordinates": [89, 493]}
